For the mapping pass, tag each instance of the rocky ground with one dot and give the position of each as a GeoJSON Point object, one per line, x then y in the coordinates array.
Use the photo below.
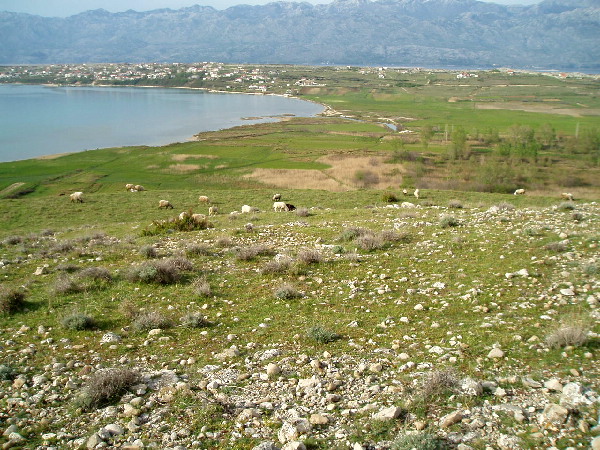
{"type": "Point", "coordinates": [378, 393]}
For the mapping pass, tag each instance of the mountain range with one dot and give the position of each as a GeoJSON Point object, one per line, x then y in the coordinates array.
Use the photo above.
{"type": "Point", "coordinates": [559, 34]}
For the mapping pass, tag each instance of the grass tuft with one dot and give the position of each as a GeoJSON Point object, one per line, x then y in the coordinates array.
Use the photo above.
{"type": "Point", "coordinates": [287, 291]}
{"type": "Point", "coordinates": [449, 221]}
{"type": "Point", "coordinates": [105, 387]}
{"type": "Point", "coordinates": [195, 320]}
{"type": "Point", "coordinates": [150, 320]}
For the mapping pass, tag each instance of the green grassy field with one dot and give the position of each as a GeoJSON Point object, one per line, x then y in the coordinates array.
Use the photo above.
{"type": "Point", "coordinates": [461, 271]}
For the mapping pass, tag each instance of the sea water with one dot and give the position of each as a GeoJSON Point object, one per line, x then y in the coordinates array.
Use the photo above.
{"type": "Point", "coordinates": [45, 120]}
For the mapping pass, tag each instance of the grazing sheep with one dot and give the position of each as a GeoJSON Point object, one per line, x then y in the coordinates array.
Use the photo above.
{"type": "Point", "coordinates": [213, 210]}
{"type": "Point", "coordinates": [276, 197]}
{"type": "Point", "coordinates": [165, 204]}
{"type": "Point", "coordinates": [279, 206]}
{"type": "Point", "coordinates": [183, 215]}
{"type": "Point", "coordinates": [247, 209]}
{"type": "Point", "coordinates": [416, 194]}
{"type": "Point", "coordinates": [289, 207]}
{"type": "Point", "coordinates": [139, 188]}
{"type": "Point", "coordinates": [567, 196]}
{"type": "Point", "coordinates": [519, 192]}
{"type": "Point", "coordinates": [197, 218]}
{"type": "Point", "coordinates": [129, 186]}
{"type": "Point", "coordinates": [203, 199]}
{"type": "Point", "coordinates": [404, 191]}
{"type": "Point", "coordinates": [76, 197]}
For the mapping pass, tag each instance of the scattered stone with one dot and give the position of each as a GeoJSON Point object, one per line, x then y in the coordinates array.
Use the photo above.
{"type": "Point", "coordinates": [450, 419]}
{"type": "Point", "coordinates": [553, 414]}
{"type": "Point", "coordinates": [496, 353]}
{"type": "Point", "coordinates": [391, 413]}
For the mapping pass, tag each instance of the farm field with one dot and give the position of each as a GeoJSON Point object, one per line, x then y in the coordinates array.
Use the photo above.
{"type": "Point", "coordinates": [367, 317]}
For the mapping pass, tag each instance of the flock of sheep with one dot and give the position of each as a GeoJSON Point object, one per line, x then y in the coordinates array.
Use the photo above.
{"type": "Point", "coordinates": [278, 205]}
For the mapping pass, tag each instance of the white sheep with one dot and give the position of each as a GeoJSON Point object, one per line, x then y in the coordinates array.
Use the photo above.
{"type": "Point", "coordinates": [247, 209]}
{"type": "Point", "coordinates": [76, 197]}
{"type": "Point", "coordinates": [567, 196]}
{"type": "Point", "coordinates": [213, 210]}
{"type": "Point", "coordinates": [203, 199]}
{"type": "Point", "coordinates": [404, 191]}
{"type": "Point", "coordinates": [139, 187]}
{"type": "Point", "coordinates": [416, 194]}
{"type": "Point", "coordinates": [183, 215]}
{"type": "Point", "coordinates": [165, 204]}
{"type": "Point", "coordinates": [519, 192]}
{"type": "Point", "coordinates": [280, 206]}
{"type": "Point", "coordinates": [276, 197]}
{"type": "Point", "coordinates": [129, 187]}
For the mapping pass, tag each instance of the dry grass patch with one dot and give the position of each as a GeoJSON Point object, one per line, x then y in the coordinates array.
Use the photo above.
{"type": "Point", "coordinates": [183, 168]}
{"type": "Point", "coordinates": [346, 173]}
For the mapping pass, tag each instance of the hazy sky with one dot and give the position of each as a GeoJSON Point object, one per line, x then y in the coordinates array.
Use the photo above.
{"type": "Point", "coordinates": [63, 8]}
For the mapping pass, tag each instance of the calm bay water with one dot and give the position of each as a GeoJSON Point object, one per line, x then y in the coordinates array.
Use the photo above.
{"type": "Point", "coordinates": [44, 120]}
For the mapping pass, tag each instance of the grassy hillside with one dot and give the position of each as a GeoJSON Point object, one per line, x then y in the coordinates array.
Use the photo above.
{"type": "Point", "coordinates": [364, 317]}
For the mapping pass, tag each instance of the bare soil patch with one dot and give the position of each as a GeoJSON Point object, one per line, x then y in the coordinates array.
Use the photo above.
{"type": "Point", "coordinates": [346, 173]}
{"type": "Point", "coordinates": [11, 188]}
{"type": "Point", "coordinates": [184, 157]}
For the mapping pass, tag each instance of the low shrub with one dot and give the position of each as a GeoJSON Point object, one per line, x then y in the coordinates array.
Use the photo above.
{"type": "Point", "coordinates": [201, 287]}
{"type": "Point", "coordinates": [166, 271]}
{"type": "Point", "coordinates": [11, 300]}
{"type": "Point", "coordinates": [566, 206]}
{"type": "Point", "coordinates": [287, 291]}
{"type": "Point", "coordinates": [277, 265]}
{"type": "Point", "coordinates": [198, 250]}
{"type": "Point", "coordinates": [303, 212]}
{"type": "Point", "coordinates": [186, 223]}
{"type": "Point", "coordinates": [439, 383]}
{"type": "Point", "coordinates": [105, 387]}
{"type": "Point", "coordinates": [449, 221]}
{"type": "Point", "coordinates": [573, 330]}
{"type": "Point", "coordinates": [577, 216]}
{"type": "Point", "coordinates": [223, 242]}
{"type": "Point", "coordinates": [389, 197]}
{"type": "Point", "coordinates": [78, 321]}
{"type": "Point", "coordinates": [419, 441]}
{"type": "Point", "coordinates": [456, 204]}
{"type": "Point", "coordinates": [96, 273]}
{"type": "Point", "coordinates": [67, 284]}
{"type": "Point", "coordinates": [6, 372]}
{"type": "Point", "coordinates": [505, 206]}
{"type": "Point", "coordinates": [149, 320]}
{"type": "Point", "coordinates": [13, 240]}
{"type": "Point", "coordinates": [195, 320]}
{"type": "Point", "coordinates": [370, 242]}
{"type": "Point", "coordinates": [63, 247]}
{"type": "Point", "coordinates": [557, 247]}
{"type": "Point", "coordinates": [250, 253]}
{"type": "Point", "coordinates": [148, 251]}
{"type": "Point", "coordinates": [308, 256]}
{"type": "Point", "coordinates": [322, 335]}
{"type": "Point", "coordinates": [351, 233]}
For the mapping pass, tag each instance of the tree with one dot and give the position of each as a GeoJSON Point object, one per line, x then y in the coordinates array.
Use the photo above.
{"type": "Point", "coordinates": [458, 146]}
{"type": "Point", "coordinates": [426, 133]}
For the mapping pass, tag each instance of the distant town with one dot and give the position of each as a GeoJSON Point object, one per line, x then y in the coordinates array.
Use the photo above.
{"type": "Point", "coordinates": [262, 79]}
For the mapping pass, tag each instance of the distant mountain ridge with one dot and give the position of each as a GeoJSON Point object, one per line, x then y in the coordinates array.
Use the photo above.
{"type": "Point", "coordinates": [561, 34]}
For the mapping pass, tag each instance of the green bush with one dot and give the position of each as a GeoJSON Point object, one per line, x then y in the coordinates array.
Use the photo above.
{"type": "Point", "coordinates": [6, 372]}
{"type": "Point", "coordinates": [11, 300]}
{"type": "Point", "coordinates": [195, 320]}
{"type": "Point", "coordinates": [78, 321]}
{"type": "Point", "coordinates": [449, 221]}
{"type": "Point", "coordinates": [322, 335]}
{"type": "Point", "coordinates": [389, 197]}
